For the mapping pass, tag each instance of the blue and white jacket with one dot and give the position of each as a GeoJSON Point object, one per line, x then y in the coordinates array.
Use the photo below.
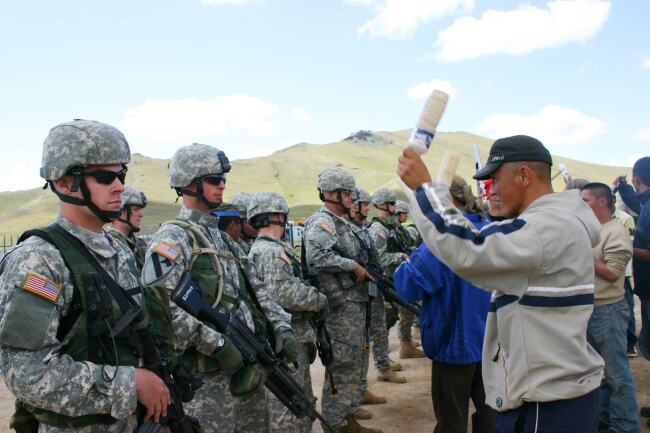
{"type": "Point", "coordinates": [453, 310]}
{"type": "Point", "coordinates": [540, 269]}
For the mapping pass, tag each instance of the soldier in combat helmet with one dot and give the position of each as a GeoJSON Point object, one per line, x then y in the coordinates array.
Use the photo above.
{"type": "Point", "coordinates": [392, 253]}
{"type": "Point", "coordinates": [128, 224]}
{"type": "Point", "coordinates": [67, 380]}
{"type": "Point", "coordinates": [278, 265]}
{"type": "Point", "coordinates": [344, 282]}
{"type": "Point", "coordinates": [231, 398]}
{"type": "Point", "coordinates": [248, 232]}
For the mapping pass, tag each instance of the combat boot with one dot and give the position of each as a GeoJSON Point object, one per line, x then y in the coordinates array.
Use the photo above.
{"type": "Point", "coordinates": [407, 351]}
{"type": "Point", "coordinates": [369, 398]}
{"type": "Point", "coordinates": [389, 375]}
{"type": "Point", "coordinates": [394, 365]}
{"type": "Point", "coordinates": [354, 427]}
{"type": "Point", "coordinates": [362, 414]}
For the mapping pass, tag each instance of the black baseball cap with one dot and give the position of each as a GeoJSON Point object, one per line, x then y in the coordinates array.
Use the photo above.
{"type": "Point", "coordinates": [511, 149]}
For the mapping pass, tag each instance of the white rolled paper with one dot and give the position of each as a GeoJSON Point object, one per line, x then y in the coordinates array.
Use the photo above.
{"type": "Point", "coordinates": [422, 134]}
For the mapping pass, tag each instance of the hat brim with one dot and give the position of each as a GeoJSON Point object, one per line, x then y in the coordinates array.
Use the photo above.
{"type": "Point", "coordinates": [487, 170]}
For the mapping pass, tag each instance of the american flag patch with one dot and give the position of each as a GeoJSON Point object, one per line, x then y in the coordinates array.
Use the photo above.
{"type": "Point", "coordinates": [166, 250]}
{"type": "Point", "coordinates": [42, 287]}
{"type": "Point", "coordinates": [382, 235]}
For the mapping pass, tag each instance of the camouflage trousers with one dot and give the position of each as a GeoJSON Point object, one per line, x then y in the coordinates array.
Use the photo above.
{"type": "Point", "coordinates": [343, 325]}
{"type": "Point", "coordinates": [406, 320]}
{"type": "Point", "coordinates": [378, 332]}
{"type": "Point", "coordinates": [218, 411]}
{"type": "Point", "coordinates": [121, 426]}
{"type": "Point", "coordinates": [281, 419]}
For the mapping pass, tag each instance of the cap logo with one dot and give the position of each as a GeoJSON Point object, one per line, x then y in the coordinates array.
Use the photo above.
{"type": "Point", "coordinates": [497, 158]}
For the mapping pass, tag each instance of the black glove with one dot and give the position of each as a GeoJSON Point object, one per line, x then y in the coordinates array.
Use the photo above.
{"type": "Point", "coordinates": [286, 346]}
{"type": "Point", "coordinates": [312, 351]}
{"type": "Point", "coordinates": [228, 357]}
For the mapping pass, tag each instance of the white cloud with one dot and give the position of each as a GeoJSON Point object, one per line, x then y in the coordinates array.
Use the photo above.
{"type": "Point", "coordinates": [523, 30]}
{"type": "Point", "coordinates": [423, 89]}
{"type": "Point", "coordinates": [557, 127]}
{"type": "Point", "coordinates": [643, 135]}
{"type": "Point", "coordinates": [646, 63]}
{"type": "Point", "coordinates": [399, 19]}
{"type": "Point", "coordinates": [301, 115]}
{"type": "Point", "coordinates": [229, 2]}
{"type": "Point", "coordinates": [186, 119]}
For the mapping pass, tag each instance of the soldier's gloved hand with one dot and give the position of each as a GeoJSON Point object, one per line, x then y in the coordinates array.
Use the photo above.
{"type": "Point", "coordinates": [286, 346]}
{"type": "Point", "coordinates": [228, 357]}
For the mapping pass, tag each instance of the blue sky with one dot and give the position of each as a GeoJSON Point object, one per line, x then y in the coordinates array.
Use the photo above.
{"type": "Point", "coordinates": [252, 77]}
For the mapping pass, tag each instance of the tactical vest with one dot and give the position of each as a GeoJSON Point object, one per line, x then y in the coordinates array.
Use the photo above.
{"type": "Point", "coordinates": [122, 238]}
{"type": "Point", "coordinates": [208, 273]}
{"type": "Point", "coordinates": [392, 243]}
{"type": "Point", "coordinates": [94, 313]}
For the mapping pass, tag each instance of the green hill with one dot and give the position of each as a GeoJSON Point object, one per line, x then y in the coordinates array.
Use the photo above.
{"type": "Point", "coordinates": [371, 157]}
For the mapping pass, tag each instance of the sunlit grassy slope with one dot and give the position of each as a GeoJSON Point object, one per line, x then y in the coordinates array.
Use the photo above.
{"type": "Point", "coordinates": [291, 172]}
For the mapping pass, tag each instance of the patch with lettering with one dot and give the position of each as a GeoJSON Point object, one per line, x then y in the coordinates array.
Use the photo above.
{"type": "Point", "coordinates": [166, 250]}
{"type": "Point", "coordinates": [42, 287]}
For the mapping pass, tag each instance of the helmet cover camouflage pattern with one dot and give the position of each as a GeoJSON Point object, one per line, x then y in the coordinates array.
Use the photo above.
{"type": "Point", "coordinates": [384, 195]}
{"type": "Point", "coordinates": [132, 196]}
{"type": "Point", "coordinates": [335, 178]}
{"type": "Point", "coordinates": [80, 143]}
{"type": "Point", "coordinates": [401, 207]}
{"type": "Point", "coordinates": [266, 202]}
{"type": "Point", "coordinates": [196, 160]}
{"type": "Point", "coordinates": [241, 200]}
{"type": "Point", "coordinates": [363, 196]}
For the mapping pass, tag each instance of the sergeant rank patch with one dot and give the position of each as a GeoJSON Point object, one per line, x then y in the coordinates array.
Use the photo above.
{"type": "Point", "coordinates": [166, 250]}
{"type": "Point", "coordinates": [42, 287]}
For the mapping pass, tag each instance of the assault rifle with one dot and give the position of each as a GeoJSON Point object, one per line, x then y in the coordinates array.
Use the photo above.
{"type": "Point", "coordinates": [253, 350]}
{"type": "Point", "coordinates": [384, 283]}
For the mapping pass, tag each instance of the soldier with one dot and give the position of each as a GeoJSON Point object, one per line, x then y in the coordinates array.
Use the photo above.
{"type": "Point", "coordinates": [327, 237]}
{"type": "Point", "coordinates": [377, 329]}
{"type": "Point", "coordinates": [392, 252]}
{"type": "Point", "coordinates": [278, 265]}
{"type": "Point", "coordinates": [193, 243]}
{"type": "Point", "coordinates": [248, 232]}
{"type": "Point", "coordinates": [402, 214]}
{"type": "Point", "coordinates": [230, 220]}
{"type": "Point", "coordinates": [128, 224]}
{"type": "Point", "coordinates": [69, 381]}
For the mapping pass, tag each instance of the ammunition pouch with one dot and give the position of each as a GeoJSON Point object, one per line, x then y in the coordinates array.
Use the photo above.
{"type": "Point", "coordinates": [245, 380]}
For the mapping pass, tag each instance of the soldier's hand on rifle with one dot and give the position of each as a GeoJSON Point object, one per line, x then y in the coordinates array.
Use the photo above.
{"type": "Point", "coordinates": [228, 357]}
{"type": "Point", "coordinates": [152, 393]}
{"type": "Point", "coordinates": [286, 346]}
{"type": "Point", "coordinates": [362, 274]}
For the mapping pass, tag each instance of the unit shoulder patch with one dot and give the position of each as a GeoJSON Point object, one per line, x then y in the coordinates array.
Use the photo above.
{"type": "Point", "coordinates": [166, 250]}
{"type": "Point", "coordinates": [42, 287]}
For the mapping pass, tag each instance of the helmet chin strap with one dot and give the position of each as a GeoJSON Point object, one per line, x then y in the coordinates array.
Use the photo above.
{"type": "Point", "coordinates": [199, 195]}
{"type": "Point", "coordinates": [385, 209]}
{"type": "Point", "coordinates": [79, 183]}
{"type": "Point", "coordinates": [127, 221]}
{"type": "Point", "coordinates": [338, 201]}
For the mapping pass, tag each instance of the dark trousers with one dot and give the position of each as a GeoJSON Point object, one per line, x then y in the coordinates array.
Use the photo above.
{"type": "Point", "coordinates": [576, 415]}
{"type": "Point", "coordinates": [452, 386]}
{"type": "Point", "coordinates": [632, 339]}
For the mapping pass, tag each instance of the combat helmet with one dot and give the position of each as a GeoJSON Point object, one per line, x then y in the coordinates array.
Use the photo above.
{"type": "Point", "coordinates": [262, 204]}
{"type": "Point", "coordinates": [363, 196]}
{"type": "Point", "coordinates": [191, 164]}
{"type": "Point", "coordinates": [335, 179]}
{"type": "Point", "coordinates": [72, 146]}
{"type": "Point", "coordinates": [132, 197]}
{"type": "Point", "coordinates": [241, 200]}
{"type": "Point", "coordinates": [401, 207]}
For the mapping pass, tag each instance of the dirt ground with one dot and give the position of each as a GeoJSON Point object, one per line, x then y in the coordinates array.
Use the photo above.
{"type": "Point", "coordinates": [409, 407]}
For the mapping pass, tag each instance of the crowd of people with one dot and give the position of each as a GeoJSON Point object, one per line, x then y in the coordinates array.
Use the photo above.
{"type": "Point", "coordinates": [526, 303]}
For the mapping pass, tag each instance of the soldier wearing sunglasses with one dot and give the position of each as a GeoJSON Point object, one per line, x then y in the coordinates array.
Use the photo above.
{"type": "Point", "coordinates": [58, 355]}
{"type": "Point", "coordinates": [231, 398]}
{"type": "Point", "coordinates": [128, 224]}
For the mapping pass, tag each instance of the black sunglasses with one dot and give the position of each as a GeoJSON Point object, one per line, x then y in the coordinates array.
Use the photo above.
{"type": "Point", "coordinates": [106, 177]}
{"type": "Point", "coordinates": [215, 179]}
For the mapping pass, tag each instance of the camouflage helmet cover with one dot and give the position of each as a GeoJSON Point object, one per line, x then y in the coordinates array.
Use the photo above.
{"type": "Point", "coordinates": [363, 196]}
{"type": "Point", "coordinates": [241, 200]}
{"type": "Point", "coordinates": [80, 143]}
{"type": "Point", "coordinates": [132, 196]}
{"type": "Point", "coordinates": [384, 195]}
{"type": "Point", "coordinates": [401, 207]}
{"type": "Point", "coordinates": [196, 160]}
{"type": "Point", "coordinates": [266, 202]}
{"type": "Point", "coordinates": [335, 178]}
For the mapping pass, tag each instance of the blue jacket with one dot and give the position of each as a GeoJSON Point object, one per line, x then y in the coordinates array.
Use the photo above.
{"type": "Point", "coordinates": [453, 310]}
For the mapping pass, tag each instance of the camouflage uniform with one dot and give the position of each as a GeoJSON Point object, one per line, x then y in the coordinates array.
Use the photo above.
{"type": "Point", "coordinates": [242, 200]}
{"type": "Point", "coordinates": [173, 249]}
{"type": "Point", "coordinates": [33, 362]}
{"type": "Point", "coordinates": [407, 245]}
{"type": "Point", "coordinates": [137, 244]}
{"type": "Point", "coordinates": [278, 265]}
{"type": "Point", "coordinates": [347, 300]}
